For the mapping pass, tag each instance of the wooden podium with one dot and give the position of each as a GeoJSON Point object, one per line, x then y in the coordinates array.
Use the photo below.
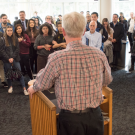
{"type": "Point", "coordinates": [44, 117]}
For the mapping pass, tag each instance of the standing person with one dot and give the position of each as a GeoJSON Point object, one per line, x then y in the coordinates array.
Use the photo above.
{"type": "Point", "coordinates": [79, 72]}
{"type": "Point", "coordinates": [43, 45]}
{"type": "Point", "coordinates": [11, 56]}
{"type": "Point", "coordinates": [88, 17]}
{"type": "Point", "coordinates": [36, 16]}
{"type": "Point", "coordinates": [37, 23]}
{"type": "Point", "coordinates": [48, 19]}
{"type": "Point", "coordinates": [32, 32]}
{"type": "Point", "coordinates": [2, 73]}
{"type": "Point", "coordinates": [22, 20]}
{"type": "Point", "coordinates": [24, 43]}
{"type": "Point", "coordinates": [59, 40]}
{"type": "Point", "coordinates": [133, 53]}
{"type": "Point", "coordinates": [108, 47]}
{"type": "Point", "coordinates": [124, 22]}
{"type": "Point", "coordinates": [59, 18]}
{"type": "Point", "coordinates": [4, 23]}
{"type": "Point", "coordinates": [117, 36]}
{"type": "Point", "coordinates": [100, 28]}
{"type": "Point", "coordinates": [131, 24]}
{"type": "Point", "coordinates": [121, 14]}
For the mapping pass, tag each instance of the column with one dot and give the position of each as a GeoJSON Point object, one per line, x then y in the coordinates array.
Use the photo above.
{"type": "Point", "coordinates": [106, 9]}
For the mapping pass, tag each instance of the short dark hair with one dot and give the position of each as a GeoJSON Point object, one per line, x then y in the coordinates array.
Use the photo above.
{"type": "Point", "coordinates": [3, 15]}
{"type": "Point", "coordinates": [117, 15]}
{"type": "Point", "coordinates": [88, 11]}
{"type": "Point", "coordinates": [95, 13]}
{"type": "Point", "coordinates": [59, 15]}
{"type": "Point", "coordinates": [59, 22]}
{"type": "Point", "coordinates": [48, 26]}
{"type": "Point", "coordinates": [22, 12]}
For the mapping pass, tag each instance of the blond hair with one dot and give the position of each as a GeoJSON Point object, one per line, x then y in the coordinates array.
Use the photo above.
{"type": "Point", "coordinates": [74, 24]}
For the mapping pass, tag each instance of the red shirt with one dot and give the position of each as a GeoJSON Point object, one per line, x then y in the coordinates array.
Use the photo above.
{"type": "Point", "coordinates": [24, 45]}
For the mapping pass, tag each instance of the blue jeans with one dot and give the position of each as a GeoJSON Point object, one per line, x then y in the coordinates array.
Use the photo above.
{"type": "Point", "coordinates": [16, 65]}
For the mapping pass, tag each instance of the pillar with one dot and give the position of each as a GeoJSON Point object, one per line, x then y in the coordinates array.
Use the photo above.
{"type": "Point", "coordinates": [105, 9]}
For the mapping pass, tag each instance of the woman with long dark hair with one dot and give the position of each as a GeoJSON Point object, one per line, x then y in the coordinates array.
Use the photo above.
{"type": "Point", "coordinates": [37, 23]}
{"type": "Point", "coordinates": [32, 32]}
{"type": "Point", "coordinates": [24, 43]}
{"type": "Point", "coordinates": [12, 58]}
{"type": "Point", "coordinates": [43, 45]}
{"type": "Point", "coordinates": [108, 47]}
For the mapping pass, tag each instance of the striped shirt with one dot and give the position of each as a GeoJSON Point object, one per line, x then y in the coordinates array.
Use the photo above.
{"type": "Point", "coordinates": [78, 72]}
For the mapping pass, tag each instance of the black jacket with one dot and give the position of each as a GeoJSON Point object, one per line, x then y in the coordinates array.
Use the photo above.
{"type": "Point", "coordinates": [128, 22]}
{"type": "Point", "coordinates": [19, 22]}
{"type": "Point", "coordinates": [1, 35]}
{"type": "Point", "coordinates": [8, 52]}
{"type": "Point", "coordinates": [125, 26]}
{"type": "Point", "coordinates": [118, 34]}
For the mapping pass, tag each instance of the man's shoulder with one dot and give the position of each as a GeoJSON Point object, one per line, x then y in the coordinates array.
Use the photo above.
{"type": "Point", "coordinates": [17, 22]}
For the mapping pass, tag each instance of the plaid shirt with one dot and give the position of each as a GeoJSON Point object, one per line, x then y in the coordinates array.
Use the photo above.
{"type": "Point", "coordinates": [78, 72]}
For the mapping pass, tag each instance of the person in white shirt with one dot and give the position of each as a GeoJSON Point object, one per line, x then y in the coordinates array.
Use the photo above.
{"type": "Point", "coordinates": [92, 37]}
{"type": "Point", "coordinates": [131, 23]}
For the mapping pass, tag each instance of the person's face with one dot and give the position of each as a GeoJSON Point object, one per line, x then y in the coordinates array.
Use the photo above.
{"type": "Point", "coordinates": [88, 17]}
{"type": "Point", "coordinates": [36, 21]}
{"type": "Point", "coordinates": [115, 18]}
{"type": "Point", "coordinates": [9, 32]}
{"type": "Point", "coordinates": [22, 16]}
{"type": "Point", "coordinates": [82, 13]}
{"type": "Point", "coordinates": [60, 27]}
{"type": "Point", "coordinates": [105, 24]}
{"type": "Point", "coordinates": [132, 15]}
{"type": "Point", "coordinates": [19, 30]}
{"type": "Point", "coordinates": [94, 17]}
{"type": "Point", "coordinates": [4, 19]}
{"type": "Point", "coordinates": [48, 19]}
{"type": "Point", "coordinates": [60, 17]}
{"type": "Point", "coordinates": [45, 30]}
{"type": "Point", "coordinates": [92, 26]}
{"type": "Point", "coordinates": [35, 14]}
{"type": "Point", "coordinates": [31, 24]}
{"type": "Point", "coordinates": [122, 19]}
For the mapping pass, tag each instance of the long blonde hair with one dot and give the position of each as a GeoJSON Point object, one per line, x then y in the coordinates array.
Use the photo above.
{"type": "Point", "coordinates": [6, 37]}
{"type": "Point", "coordinates": [108, 26]}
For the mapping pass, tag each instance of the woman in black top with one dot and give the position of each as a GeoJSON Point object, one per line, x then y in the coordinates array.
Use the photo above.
{"type": "Point", "coordinates": [32, 32]}
{"type": "Point", "coordinates": [43, 45]}
{"type": "Point", "coordinates": [59, 40]}
{"type": "Point", "coordinates": [11, 55]}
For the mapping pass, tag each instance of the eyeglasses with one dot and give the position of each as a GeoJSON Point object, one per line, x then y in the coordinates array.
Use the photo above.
{"type": "Point", "coordinates": [48, 18]}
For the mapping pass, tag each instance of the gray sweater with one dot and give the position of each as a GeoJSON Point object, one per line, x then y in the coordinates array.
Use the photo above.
{"type": "Point", "coordinates": [40, 41]}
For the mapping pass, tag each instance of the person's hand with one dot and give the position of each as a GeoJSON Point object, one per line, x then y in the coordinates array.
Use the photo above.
{"type": "Point", "coordinates": [19, 39]}
{"type": "Point", "coordinates": [110, 38]}
{"type": "Point", "coordinates": [11, 60]}
{"type": "Point", "coordinates": [64, 46]}
{"type": "Point", "coordinates": [31, 91]}
{"type": "Point", "coordinates": [47, 47]}
{"type": "Point", "coordinates": [54, 42]}
{"type": "Point", "coordinates": [114, 40]}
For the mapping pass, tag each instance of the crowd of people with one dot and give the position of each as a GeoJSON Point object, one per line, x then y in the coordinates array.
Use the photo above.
{"type": "Point", "coordinates": [26, 44]}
